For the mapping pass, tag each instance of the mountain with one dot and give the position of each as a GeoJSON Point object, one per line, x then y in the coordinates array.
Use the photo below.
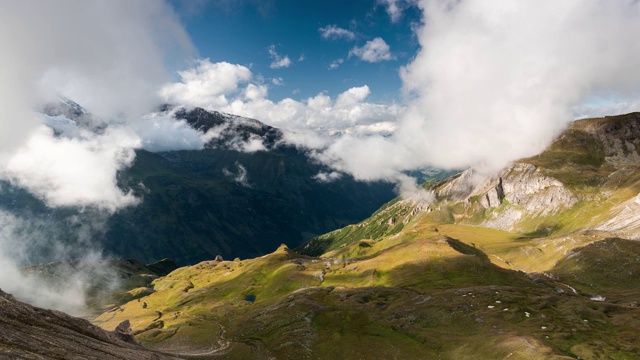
{"type": "Point", "coordinates": [585, 183]}
{"type": "Point", "coordinates": [197, 204]}
{"type": "Point", "coordinates": [537, 261]}
{"type": "Point", "coordinates": [223, 201]}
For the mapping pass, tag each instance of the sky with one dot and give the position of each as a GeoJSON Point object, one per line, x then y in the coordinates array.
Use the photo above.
{"type": "Point", "coordinates": [317, 38]}
{"type": "Point", "coordinates": [371, 89]}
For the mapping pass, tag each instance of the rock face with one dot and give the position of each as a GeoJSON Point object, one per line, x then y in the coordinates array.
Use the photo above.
{"type": "Point", "coordinates": [620, 139]}
{"type": "Point", "coordinates": [626, 221]}
{"type": "Point", "coordinates": [527, 191]}
{"type": "Point", "coordinates": [28, 332]}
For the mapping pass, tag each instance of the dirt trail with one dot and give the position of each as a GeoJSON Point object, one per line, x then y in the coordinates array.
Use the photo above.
{"type": "Point", "coordinates": [220, 347]}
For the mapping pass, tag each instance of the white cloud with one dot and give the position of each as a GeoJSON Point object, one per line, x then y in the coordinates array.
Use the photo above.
{"type": "Point", "coordinates": [252, 144]}
{"type": "Point", "coordinates": [353, 96]}
{"type": "Point", "coordinates": [394, 8]}
{"type": "Point", "coordinates": [62, 48]}
{"type": "Point", "coordinates": [325, 177]}
{"type": "Point", "coordinates": [254, 92]}
{"type": "Point", "coordinates": [277, 81]}
{"type": "Point", "coordinates": [206, 85]}
{"type": "Point", "coordinates": [373, 51]}
{"type": "Point", "coordinates": [161, 132]}
{"type": "Point", "coordinates": [74, 171]}
{"type": "Point", "coordinates": [496, 80]}
{"type": "Point", "coordinates": [279, 61]}
{"type": "Point", "coordinates": [334, 32]}
{"type": "Point", "coordinates": [349, 112]}
{"type": "Point", "coordinates": [301, 58]}
{"type": "Point", "coordinates": [336, 63]}
{"type": "Point", "coordinates": [241, 177]}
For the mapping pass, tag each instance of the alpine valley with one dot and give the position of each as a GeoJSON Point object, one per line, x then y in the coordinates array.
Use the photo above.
{"type": "Point", "coordinates": [538, 261]}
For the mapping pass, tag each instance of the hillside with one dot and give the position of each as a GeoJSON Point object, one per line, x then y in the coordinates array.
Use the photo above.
{"type": "Point", "coordinates": [531, 263]}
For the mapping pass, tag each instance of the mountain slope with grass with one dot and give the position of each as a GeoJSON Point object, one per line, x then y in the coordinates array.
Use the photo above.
{"type": "Point", "coordinates": [586, 181]}
{"type": "Point", "coordinates": [535, 262]}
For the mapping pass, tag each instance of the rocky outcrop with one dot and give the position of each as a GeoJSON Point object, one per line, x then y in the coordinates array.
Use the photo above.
{"type": "Point", "coordinates": [619, 136]}
{"type": "Point", "coordinates": [625, 221]}
{"type": "Point", "coordinates": [524, 187]}
{"type": "Point", "coordinates": [28, 332]}
{"type": "Point", "coordinates": [528, 192]}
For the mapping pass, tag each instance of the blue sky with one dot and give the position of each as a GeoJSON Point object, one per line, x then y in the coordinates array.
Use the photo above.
{"type": "Point", "coordinates": [243, 32]}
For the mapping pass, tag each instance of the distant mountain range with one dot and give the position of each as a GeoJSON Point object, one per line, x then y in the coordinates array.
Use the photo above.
{"type": "Point", "coordinates": [197, 204]}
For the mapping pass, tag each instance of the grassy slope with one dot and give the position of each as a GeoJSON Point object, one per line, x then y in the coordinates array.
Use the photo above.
{"type": "Point", "coordinates": [407, 284]}
{"type": "Point", "coordinates": [408, 295]}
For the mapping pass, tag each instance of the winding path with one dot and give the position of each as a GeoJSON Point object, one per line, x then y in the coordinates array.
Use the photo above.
{"type": "Point", "coordinates": [221, 347]}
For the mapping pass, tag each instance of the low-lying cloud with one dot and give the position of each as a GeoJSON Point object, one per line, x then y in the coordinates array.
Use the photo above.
{"type": "Point", "coordinates": [74, 171]}
{"type": "Point", "coordinates": [30, 238]}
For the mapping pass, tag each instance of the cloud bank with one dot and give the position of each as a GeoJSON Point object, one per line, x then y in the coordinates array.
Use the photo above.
{"type": "Point", "coordinates": [495, 81]}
